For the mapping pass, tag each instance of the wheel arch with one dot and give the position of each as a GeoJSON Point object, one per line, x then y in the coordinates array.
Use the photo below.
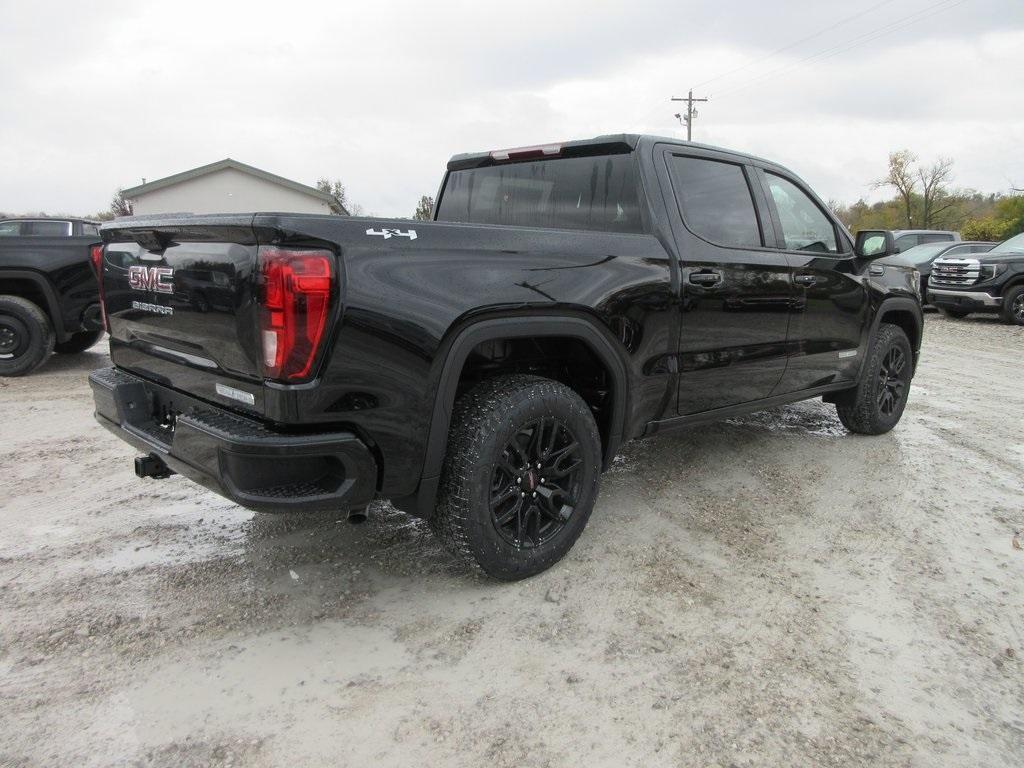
{"type": "Point", "coordinates": [905, 313]}
{"type": "Point", "coordinates": [468, 338]}
{"type": "Point", "coordinates": [35, 288]}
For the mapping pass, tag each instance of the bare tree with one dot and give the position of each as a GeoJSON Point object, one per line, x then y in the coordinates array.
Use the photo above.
{"type": "Point", "coordinates": [933, 190]}
{"type": "Point", "coordinates": [903, 178]}
{"type": "Point", "coordinates": [120, 205]}
{"type": "Point", "coordinates": [424, 209]}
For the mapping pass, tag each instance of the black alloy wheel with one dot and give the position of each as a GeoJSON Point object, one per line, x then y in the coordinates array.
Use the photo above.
{"type": "Point", "coordinates": [876, 404]}
{"type": "Point", "coordinates": [535, 483]}
{"type": "Point", "coordinates": [892, 381]}
{"type": "Point", "coordinates": [521, 475]}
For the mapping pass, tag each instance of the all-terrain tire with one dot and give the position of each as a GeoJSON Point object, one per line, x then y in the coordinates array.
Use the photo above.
{"type": "Point", "coordinates": [956, 314]}
{"type": "Point", "coordinates": [26, 336]}
{"type": "Point", "coordinates": [484, 423]}
{"type": "Point", "coordinates": [78, 342]}
{"type": "Point", "coordinates": [873, 407]}
{"type": "Point", "coordinates": [1013, 306]}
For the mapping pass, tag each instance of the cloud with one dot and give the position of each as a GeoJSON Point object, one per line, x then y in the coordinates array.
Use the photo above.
{"type": "Point", "coordinates": [98, 95]}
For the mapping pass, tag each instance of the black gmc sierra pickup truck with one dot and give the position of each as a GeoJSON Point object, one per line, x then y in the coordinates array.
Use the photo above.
{"type": "Point", "coordinates": [49, 299]}
{"type": "Point", "coordinates": [482, 369]}
{"type": "Point", "coordinates": [991, 282]}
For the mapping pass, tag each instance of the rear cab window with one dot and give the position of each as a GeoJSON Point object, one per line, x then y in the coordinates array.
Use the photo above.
{"type": "Point", "coordinates": [47, 228]}
{"type": "Point", "coordinates": [598, 193]}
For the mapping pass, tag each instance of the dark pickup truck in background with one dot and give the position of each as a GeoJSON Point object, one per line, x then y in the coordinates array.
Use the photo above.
{"type": "Point", "coordinates": [991, 283]}
{"type": "Point", "coordinates": [49, 297]}
{"type": "Point", "coordinates": [480, 370]}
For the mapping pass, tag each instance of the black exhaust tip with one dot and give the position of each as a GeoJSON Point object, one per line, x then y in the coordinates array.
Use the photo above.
{"type": "Point", "coordinates": [152, 466]}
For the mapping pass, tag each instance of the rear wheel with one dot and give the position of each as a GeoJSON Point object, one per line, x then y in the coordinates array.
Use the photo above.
{"type": "Point", "coordinates": [521, 475]}
{"type": "Point", "coordinates": [876, 404]}
{"type": "Point", "coordinates": [26, 336]}
{"type": "Point", "coordinates": [1013, 306]}
{"type": "Point", "coordinates": [78, 342]}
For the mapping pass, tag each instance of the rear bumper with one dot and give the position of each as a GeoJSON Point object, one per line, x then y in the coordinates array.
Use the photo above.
{"type": "Point", "coordinates": [234, 456]}
{"type": "Point", "coordinates": [972, 301]}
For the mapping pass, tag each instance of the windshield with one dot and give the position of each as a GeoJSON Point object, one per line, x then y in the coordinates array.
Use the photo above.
{"type": "Point", "coordinates": [598, 193]}
{"type": "Point", "coordinates": [921, 254]}
{"type": "Point", "coordinates": [1014, 244]}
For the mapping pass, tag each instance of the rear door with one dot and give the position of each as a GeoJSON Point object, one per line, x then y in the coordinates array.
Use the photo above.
{"type": "Point", "coordinates": [735, 287]}
{"type": "Point", "coordinates": [831, 308]}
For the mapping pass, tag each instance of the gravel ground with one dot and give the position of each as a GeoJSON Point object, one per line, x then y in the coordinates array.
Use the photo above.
{"type": "Point", "coordinates": [764, 591]}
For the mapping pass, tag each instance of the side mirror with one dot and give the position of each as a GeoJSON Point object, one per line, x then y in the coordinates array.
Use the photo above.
{"type": "Point", "coordinates": [875, 243]}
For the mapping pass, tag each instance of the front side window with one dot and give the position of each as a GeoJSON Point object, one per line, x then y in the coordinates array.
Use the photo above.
{"type": "Point", "coordinates": [715, 201]}
{"type": "Point", "coordinates": [805, 227]}
{"type": "Point", "coordinates": [10, 229]}
{"type": "Point", "coordinates": [595, 193]}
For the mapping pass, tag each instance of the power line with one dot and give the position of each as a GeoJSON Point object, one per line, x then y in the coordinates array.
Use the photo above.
{"type": "Point", "coordinates": [855, 42]}
{"type": "Point", "coordinates": [795, 43]}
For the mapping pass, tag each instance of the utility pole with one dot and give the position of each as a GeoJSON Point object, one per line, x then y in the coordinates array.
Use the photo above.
{"type": "Point", "coordinates": [690, 112]}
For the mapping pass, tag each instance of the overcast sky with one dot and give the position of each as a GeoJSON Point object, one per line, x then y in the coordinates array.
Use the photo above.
{"type": "Point", "coordinates": [97, 95]}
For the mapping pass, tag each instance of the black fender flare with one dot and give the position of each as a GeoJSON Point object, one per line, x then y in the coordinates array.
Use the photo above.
{"type": "Point", "coordinates": [514, 327]}
{"type": "Point", "coordinates": [52, 307]}
{"type": "Point", "coordinates": [901, 304]}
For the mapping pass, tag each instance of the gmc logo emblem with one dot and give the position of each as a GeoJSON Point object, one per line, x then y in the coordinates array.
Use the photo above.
{"type": "Point", "coordinates": [151, 279]}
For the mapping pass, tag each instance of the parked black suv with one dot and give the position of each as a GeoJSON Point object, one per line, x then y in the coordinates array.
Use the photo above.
{"type": "Point", "coordinates": [482, 369]}
{"type": "Point", "coordinates": [992, 283]}
{"type": "Point", "coordinates": [49, 297]}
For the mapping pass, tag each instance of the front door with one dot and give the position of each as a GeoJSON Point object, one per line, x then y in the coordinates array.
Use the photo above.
{"type": "Point", "coordinates": [735, 287]}
{"type": "Point", "coordinates": [830, 313]}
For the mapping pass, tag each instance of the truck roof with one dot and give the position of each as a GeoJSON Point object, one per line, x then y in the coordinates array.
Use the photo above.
{"type": "Point", "coordinates": [612, 143]}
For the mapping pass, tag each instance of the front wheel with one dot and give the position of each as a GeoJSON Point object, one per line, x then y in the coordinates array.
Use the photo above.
{"type": "Point", "coordinates": [1013, 306]}
{"type": "Point", "coordinates": [875, 405]}
{"type": "Point", "coordinates": [521, 475]}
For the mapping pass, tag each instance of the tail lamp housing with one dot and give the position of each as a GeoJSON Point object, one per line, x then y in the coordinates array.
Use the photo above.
{"type": "Point", "coordinates": [96, 257]}
{"type": "Point", "coordinates": [295, 287]}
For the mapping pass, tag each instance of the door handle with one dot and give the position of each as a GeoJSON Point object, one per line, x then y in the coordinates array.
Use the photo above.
{"type": "Point", "coordinates": [705, 277]}
{"type": "Point", "coordinates": [805, 279]}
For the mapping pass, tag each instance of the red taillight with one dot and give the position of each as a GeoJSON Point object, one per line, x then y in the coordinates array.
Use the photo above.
{"type": "Point", "coordinates": [96, 256]}
{"type": "Point", "coordinates": [295, 300]}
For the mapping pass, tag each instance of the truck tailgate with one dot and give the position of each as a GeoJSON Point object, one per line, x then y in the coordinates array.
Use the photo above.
{"type": "Point", "coordinates": [181, 304]}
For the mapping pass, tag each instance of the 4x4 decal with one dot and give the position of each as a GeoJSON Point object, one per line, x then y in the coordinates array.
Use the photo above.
{"type": "Point", "coordinates": [389, 233]}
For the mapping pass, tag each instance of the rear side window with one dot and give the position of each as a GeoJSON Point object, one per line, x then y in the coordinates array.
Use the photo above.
{"type": "Point", "coordinates": [596, 193]}
{"type": "Point", "coordinates": [91, 230]}
{"type": "Point", "coordinates": [715, 201]}
{"type": "Point", "coordinates": [936, 238]}
{"type": "Point", "coordinates": [805, 227]}
{"type": "Point", "coordinates": [10, 229]}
